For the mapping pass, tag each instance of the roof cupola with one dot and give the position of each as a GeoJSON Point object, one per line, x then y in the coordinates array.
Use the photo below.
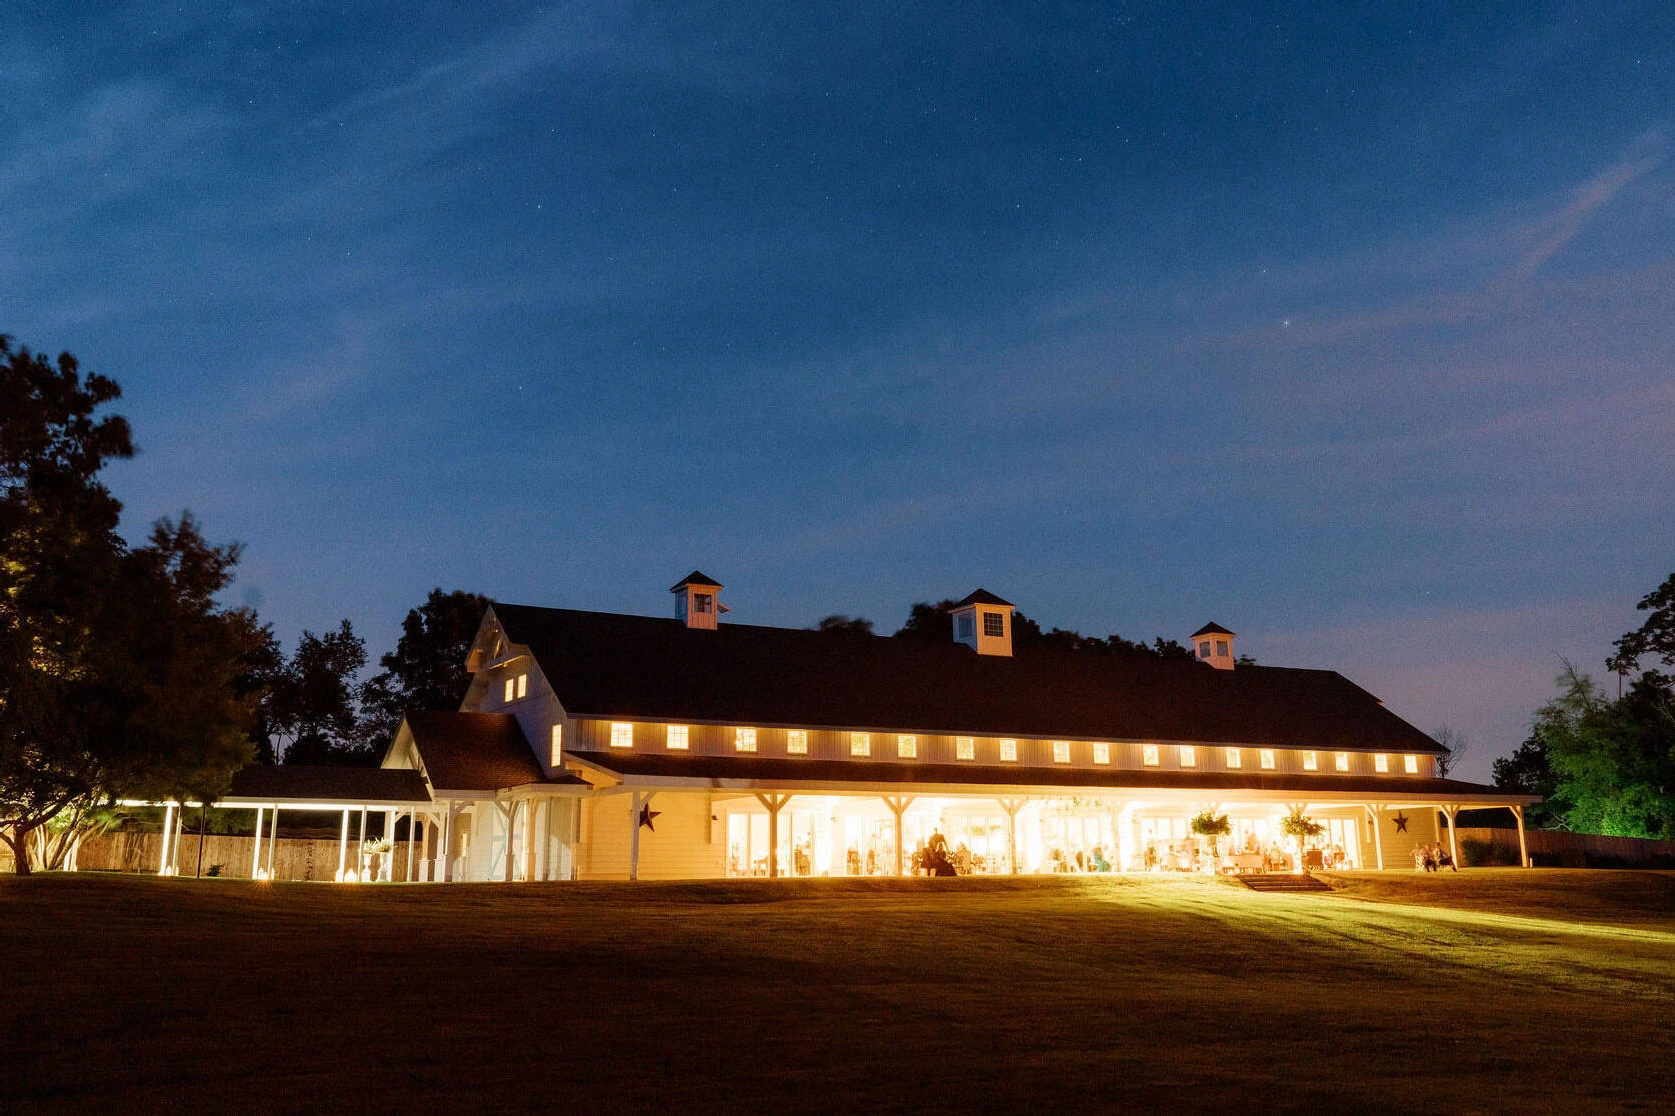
{"type": "Point", "coordinates": [1213, 644]}
{"type": "Point", "coordinates": [698, 600]}
{"type": "Point", "coordinates": [983, 622]}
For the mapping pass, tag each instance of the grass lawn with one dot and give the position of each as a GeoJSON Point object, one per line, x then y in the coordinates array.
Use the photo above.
{"type": "Point", "coordinates": [1402, 992]}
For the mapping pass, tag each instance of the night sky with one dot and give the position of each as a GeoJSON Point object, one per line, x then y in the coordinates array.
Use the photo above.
{"type": "Point", "coordinates": [1351, 329]}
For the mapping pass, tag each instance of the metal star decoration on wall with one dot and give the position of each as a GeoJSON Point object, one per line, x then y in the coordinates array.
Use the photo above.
{"type": "Point", "coordinates": [646, 814]}
{"type": "Point", "coordinates": [1401, 822]}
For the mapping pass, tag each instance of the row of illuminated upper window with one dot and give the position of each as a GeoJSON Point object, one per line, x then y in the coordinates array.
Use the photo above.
{"type": "Point", "coordinates": [678, 738]}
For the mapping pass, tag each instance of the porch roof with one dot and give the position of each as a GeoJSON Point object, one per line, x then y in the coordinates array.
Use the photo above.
{"type": "Point", "coordinates": [282, 783]}
{"type": "Point", "coordinates": [830, 775]}
{"type": "Point", "coordinates": [477, 752]}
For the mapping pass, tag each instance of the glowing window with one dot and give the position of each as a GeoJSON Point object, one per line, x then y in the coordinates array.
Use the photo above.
{"type": "Point", "coordinates": [678, 739]}
{"type": "Point", "coordinates": [1233, 758]}
{"type": "Point", "coordinates": [1148, 754]}
{"type": "Point", "coordinates": [1189, 756]}
{"type": "Point", "coordinates": [994, 624]}
{"type": "Point", "coordinates": [1411, 763]}
{"type": "Point", "coordinates": [1102, 753]}
{"type": "Point", "coordinates": [744, 740]}
{"type": "Point", "coordinates": [511, 689]}
{"type": "Point", "coordinates": [523, 685]}
{"type": "Point", "coordinates": [1267, 759]}
{"type": "Point", "coordinates": [1342, 761]}
{"type": "Point", "coordinates": [1061, 751]}
{"type": "Point", "coordinates": [907, 746]}
{"type": "Point", "coordinates": [860, 743]}
{"type": "Point", "coordinates": [796, 742]}
{"type": "Point", "coordinates": [1311, 762]}
{"type": "Point", "coordinates": [558, 744]}
{"type": "Point", "coordinates": [1009, 750]}
{"type": "Point", "coordinates": [1381, 763]}
{"type": "Point", "coordinates": [965, 747]}
{"type": "Point", "coordinates": [622, 734]}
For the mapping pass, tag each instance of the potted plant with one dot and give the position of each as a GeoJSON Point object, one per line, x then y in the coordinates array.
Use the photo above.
{"type": "Point", "coordinates": [1214, 826]}
{"type": "Point", "coordinates": [1299, 825]}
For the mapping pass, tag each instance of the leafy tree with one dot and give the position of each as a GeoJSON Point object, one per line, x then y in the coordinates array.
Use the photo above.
{"type": "Point", "coordinates": [427, 668]}
{"type": "Point", "coordinates": [929, 621]}
{"type": "Point", "coordinates": [1614, 761]}
{"type": "Point", "coordinates": [845, 625]}
{"type": "Point", "coordinates": [1300, 826]}
{"type": "Point", "coordinates": [119, 675]}
{"type": "Point", "coordinates": [933, 622]}
{"type": "Point", "coordinates": [1528, 771]}
{"type": "Point", "coordinates": [1214, 826]}
{"type": "Point", "coordinates": [1655, 636]}
{"type": "Point", "coordinates": [312, 706]}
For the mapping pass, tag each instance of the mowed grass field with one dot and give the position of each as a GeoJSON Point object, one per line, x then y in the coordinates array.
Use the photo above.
{"type": "Point", "coordinates": [1486, 991]}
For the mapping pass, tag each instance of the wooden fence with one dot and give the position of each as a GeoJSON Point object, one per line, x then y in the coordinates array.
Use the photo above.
{"type": "Point", "coordinates": [1553, 842]}
{"type": "Point", "coordinates": [294, 858]}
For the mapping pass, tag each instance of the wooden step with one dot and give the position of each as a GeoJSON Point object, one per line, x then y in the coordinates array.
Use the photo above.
{"type": "Point", "coordinates": [1282, 881]}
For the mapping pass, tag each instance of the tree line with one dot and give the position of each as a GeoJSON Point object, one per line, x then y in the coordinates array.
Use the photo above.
{"type": "Point", "coordinates": [933, 622]}
{"type": "Point", "coordinates": [1606, 764]}
{"type": "Point", "coordinates": [121, 674]}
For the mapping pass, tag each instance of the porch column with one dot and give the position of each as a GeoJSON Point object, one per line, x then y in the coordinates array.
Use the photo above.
{"type": "Point", "coordinates": [1453, 845]}
{"type": "Point", "coordinates": [775, 803]}
{"type": "Point", "coordinates": [1012, 806]}
{"type": "Point", "coordinates": [898, 805]}
{"type": "Point", "coordinates": [412, 817]}
{"type": "Point", "coordinates": [174, 847]}
{"type": "Point", "coordinates": [273, 841]}
{"type": "Point", "coordinates": [1523, 846]}
{"type": "Point", "coordinates": [445, 850]}
{"type": "Point", "coordinates": [168, 835]}
{"type": "Point", "coordinates": [1377, 815]}
{"type": "Point", "coordinates": [256, 847]}
{"type": "Point", "coordinates": [343, 846]}
{"type": "Point", "coordinates": [360, 851]}
{"type": "Point", "coordinates": [531, 807]}
{"type": "Point", "coordinates": [638, 800]}
{"type": "Point", "coordinates": [426, 869]}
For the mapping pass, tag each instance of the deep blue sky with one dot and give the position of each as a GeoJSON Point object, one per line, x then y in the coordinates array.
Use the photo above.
{"type": "Point", "coordinates": [1351, 329]}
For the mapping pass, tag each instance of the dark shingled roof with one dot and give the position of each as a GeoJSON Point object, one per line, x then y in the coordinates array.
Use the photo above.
{"type": "Point", "coordinates": [769, 769]}
{"type": "Point", "coordinates": [268, 783]}
{"type": "Point", "coordinates": [696, 577]}
{"type": "Point", "coordinates": [608, 665]}
{"type": "Point", "coordinates": [475, 751]}
{"type": "Point", "coordinates": [982, 596]}
{"type": "Point", "coordinates": [1212, 628]}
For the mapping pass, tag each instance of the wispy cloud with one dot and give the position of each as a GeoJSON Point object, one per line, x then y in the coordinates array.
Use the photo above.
{"type": "Point", "coordinates": [1560, 228]}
